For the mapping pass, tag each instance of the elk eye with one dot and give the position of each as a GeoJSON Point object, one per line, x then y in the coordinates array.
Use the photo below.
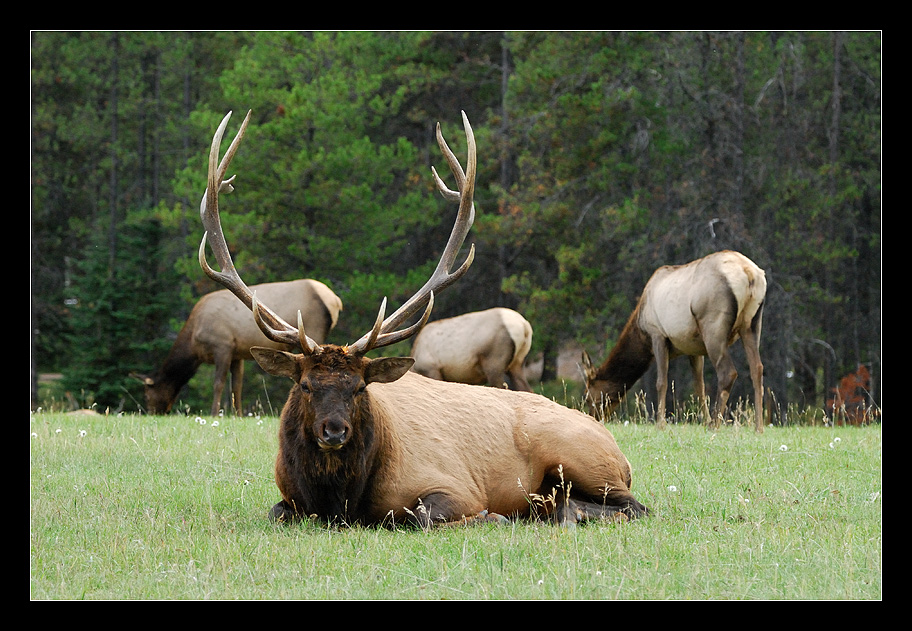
{"type": "Point", "coordinates": [305, 387]}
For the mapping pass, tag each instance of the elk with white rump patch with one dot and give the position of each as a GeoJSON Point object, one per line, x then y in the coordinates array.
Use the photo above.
{"type": "Point", "coordinates": [697, 309]}
{"type": "Point", "coordinates": [478, 348]}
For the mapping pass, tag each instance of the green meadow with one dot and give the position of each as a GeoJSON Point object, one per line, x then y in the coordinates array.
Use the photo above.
{"type": "Point", "coordinates": [174, 507]}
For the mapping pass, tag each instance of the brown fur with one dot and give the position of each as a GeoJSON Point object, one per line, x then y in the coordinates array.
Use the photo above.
{"type": "Point", "coordinates": [367, 441]}
{"type": "Point", "coordinates": [220, 330]}
{"type": "Point", "coordinates": [478, 348]}
{"type": "Point", "coordinates": [425, 451]}
{"type": "Point", "coordinates": [698, 309]}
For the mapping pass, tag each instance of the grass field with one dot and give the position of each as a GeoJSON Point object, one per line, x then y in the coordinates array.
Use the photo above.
{"type": "Point", "coordinates": [174, 507]}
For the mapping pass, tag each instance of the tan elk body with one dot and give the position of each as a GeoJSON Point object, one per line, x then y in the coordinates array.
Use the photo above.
{"type": "Point", "coordinates": [221, 330]}
{"type": "Point", "coordinates": [697, 309]}
{"type": "Point", "coordinates": [478, 348]}
{"type": "Point", "coordinates": [365, 440]}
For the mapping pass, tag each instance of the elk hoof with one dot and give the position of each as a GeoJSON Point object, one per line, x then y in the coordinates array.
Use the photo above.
{"type": "Point", "coordinates": [568, 515]}
{"type": "Point", "coordinates": [495, 518]}
{"type": "Point", "coordinates": [281, 514]}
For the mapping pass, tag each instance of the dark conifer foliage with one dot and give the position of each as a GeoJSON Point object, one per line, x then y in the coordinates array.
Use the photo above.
{"type": "Point", "coordinates": [602, 155]}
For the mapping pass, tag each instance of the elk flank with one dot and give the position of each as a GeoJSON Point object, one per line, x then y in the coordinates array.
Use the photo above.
{"type": "Point", "coordinates": [479, 348]}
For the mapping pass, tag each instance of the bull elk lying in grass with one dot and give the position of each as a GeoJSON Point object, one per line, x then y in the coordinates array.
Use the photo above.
{"type": "Point", "coordinates": [368, 441]}
{"type": "Point", "coordinates": [482, 347]}
{"type": "Point", "coordinates": [220, 331]}
{"type": "Point", "coordinates": [698, 309]}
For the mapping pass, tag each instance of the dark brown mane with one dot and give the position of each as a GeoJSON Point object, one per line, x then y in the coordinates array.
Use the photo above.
{"type": "Point", "coordinates": [179, 366]}
{"type": "Point", "coordinates": [629, 359]}
{"type": "Point", "coordinates": [329, 483]}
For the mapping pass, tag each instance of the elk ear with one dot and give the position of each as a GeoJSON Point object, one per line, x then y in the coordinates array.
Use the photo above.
{"type": "Point", "coordinates": [387, 369]}
{"type": "Point", "coordinates": [144, 379]}
{"type": "Point", "coordinates": [278, 363]}
{"type": "Point", "coordinates": [588, 369]}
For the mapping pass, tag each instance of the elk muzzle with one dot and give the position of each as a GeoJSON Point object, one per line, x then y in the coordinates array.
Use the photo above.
{"type": "Point", "coordinates": [332, 434]}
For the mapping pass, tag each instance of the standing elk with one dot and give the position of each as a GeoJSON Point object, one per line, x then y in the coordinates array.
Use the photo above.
{"type": "Point", "coordinates": [221, 331]}
{"type": "Point", "coordinates": [697, 309]}
{"type": "Point", "coordinates": [368, 441]}
{"type": "Point", "coordinates": [482, 347]}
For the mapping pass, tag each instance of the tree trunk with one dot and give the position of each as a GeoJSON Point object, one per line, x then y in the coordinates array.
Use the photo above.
{"type": "Point", "coordinates": [112, 193]}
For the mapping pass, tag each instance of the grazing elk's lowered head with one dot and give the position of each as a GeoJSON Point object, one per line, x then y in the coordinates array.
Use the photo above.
{"type": "Point", "coordinates": [365, 440]}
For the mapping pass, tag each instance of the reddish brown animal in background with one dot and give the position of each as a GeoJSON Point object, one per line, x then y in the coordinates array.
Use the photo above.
{"type": "Point", "coordinates": [221, 331]}
{"type": "Point", "coordinates": [697, 309]}
{"type": "Point", "coordinates": [482, 347]}
{"type": "Point", "coordinates": [366, 441]}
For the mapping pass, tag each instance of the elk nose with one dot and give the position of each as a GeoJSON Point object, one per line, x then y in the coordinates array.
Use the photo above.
{"type": "Point", "coordinates": [334, 435]}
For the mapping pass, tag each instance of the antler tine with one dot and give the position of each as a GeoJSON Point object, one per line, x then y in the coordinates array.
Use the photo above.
{"type": "Point", "coordinates": [383, 333]}
{"type": "Point", "coordinates": [455, 167]}
{"type": "Point", "coordinates": [385, 339]}
{"type": "Point", "coordinates": [273, 327]}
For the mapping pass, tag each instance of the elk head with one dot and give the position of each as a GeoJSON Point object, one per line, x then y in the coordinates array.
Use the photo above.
{"type": "Point", "coordinates": [331, 380]}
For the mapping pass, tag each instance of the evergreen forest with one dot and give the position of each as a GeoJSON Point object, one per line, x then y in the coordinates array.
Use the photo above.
{"type": "Point", "coordinates": [602, 155]}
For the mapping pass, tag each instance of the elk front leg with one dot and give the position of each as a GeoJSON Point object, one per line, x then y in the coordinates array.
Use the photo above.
{"type": "Point", "coordinates": [441, 509]}
{"type": "Point", "coordinates": [283, 513]}
{"type": "Point", "coordinates": [218, 383]}
{"type": "Point", "coordinates": [660, 351]}
{"type": "Point", "coordinates": [569, 511]}
{"type": "Point", "coordinates": [237, 384]}
{"type": "Point", "coordinates": [696, 366]}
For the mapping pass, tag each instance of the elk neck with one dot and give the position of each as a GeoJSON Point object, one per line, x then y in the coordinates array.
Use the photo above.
{"type": "Point", "coordinates": [334, 480]}
{"type": "Point", "coordinates": [629, 359]}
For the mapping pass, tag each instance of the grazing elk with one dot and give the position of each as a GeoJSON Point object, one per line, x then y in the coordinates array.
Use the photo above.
{"type": "Point", "coordinates": [368, 441]}
{"type": "Point", "coordinates": [697, 309]}
{"type": "Point", "coordinates": [482, 347]}
{"type": "Point", "coordinates": [221, 331]}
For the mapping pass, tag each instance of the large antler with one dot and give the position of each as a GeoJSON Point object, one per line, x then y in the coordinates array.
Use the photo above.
{"type": "Point", "coordinates": [273, 327]}
{"type": "Point", "coordinates": [384, 332]}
